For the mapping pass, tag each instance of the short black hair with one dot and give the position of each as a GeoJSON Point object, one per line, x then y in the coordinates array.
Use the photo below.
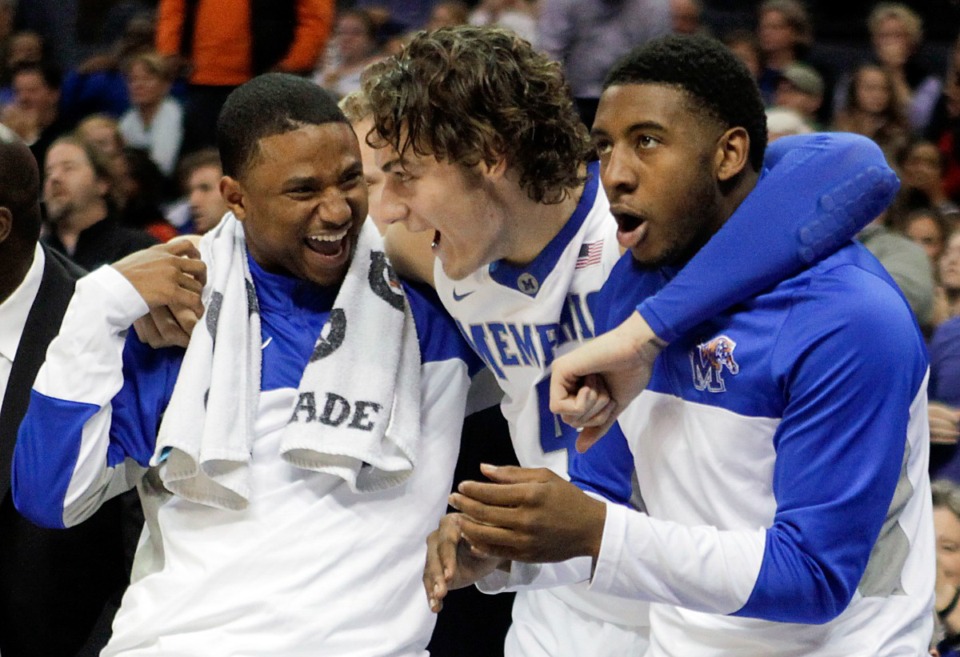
{"type": "Point", "coordinates": [269, 104]}
{"type": "Point", "coordinates": [715, 80]}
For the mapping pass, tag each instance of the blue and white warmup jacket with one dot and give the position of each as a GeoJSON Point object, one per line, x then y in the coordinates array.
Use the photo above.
{"type": "Point", "coordinates": [782, 453]}
{"type": "Point", "coordinates": [309, 567]}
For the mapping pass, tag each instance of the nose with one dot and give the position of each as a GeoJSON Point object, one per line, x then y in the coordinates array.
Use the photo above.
{"type": "Point", "coordinates": [334, 208]}
{"type": "Point", "coordinates": [618, 171]}
{"type": "Point", "coordinates": [390, 207]}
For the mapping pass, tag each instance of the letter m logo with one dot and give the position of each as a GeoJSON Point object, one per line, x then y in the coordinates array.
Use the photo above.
{"type": "Point", "coordinates": [708, 361]}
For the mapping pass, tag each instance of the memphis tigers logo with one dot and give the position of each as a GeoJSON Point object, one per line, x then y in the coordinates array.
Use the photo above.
{"type": "Point", "coordinates": [708, 361]}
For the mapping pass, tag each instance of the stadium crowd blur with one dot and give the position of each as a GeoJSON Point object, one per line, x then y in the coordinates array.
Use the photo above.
{"type": "Point", "coordinates": [135, 86]}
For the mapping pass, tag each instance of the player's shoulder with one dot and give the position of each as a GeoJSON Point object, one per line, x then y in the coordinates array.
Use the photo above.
{"type": "Point", "coordinates": [437, 332]}
{"type": "Point", "coordinates": [849, 302]}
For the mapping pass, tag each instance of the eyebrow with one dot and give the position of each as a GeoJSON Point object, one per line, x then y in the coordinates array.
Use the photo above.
{"type": "Point", "coordinates": [641, 125]}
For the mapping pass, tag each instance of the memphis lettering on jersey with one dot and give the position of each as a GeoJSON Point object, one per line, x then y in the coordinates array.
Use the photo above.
{"type": "Point", "coordinates": [708, 360]}
{"type": "Point", "coordinates": [335, 411]}
{"type": "Point", "coordinates": [503, 345]}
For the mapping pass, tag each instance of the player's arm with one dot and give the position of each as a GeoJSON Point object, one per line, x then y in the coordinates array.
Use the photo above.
{"type": "Point", "coordinates": [841, 457]}
{"type": "Point", "coordinates": [816, 193]}
{"type": "Point", "coordinates": [89, 430]}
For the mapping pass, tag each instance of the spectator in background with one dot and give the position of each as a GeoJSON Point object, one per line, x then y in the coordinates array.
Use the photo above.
{"type": "Point", "coordinates": [745, 45]}
{"type": "Point", "coordinates": [686, 17]}
{"type": "Point", "coordinates": [448, 14]}
{"type": "Point", "coordinates": [785, 33]}
{"type": "Point", "coordinates": [353, 48]}
{"type": "Point", "coordinates": [76, 193]}
{"type": "Point", "coordinates": [155, 122]}
{"type": "Point", "coordinates": [896, 33]}
{"type": "Point", "coordinates": [929, 229]}
{"type": "Point", "coordinates": [202, 172]}
{"type": "Point", "coordinates": [34, 113]}
{"type": "Point", "coordinates": [103, 132]}
{"type": "Point", "coordinates": [98, 84]}
{"type": "Point", "coordinates": [518, 16]}
{"type": "Point", "coordinates": [946, 521]}
{"type": "Point", "coordinates": [588, 36]}
{"type": "Point", "coordinates": [143, 190]}
{"type": "Point", "coordinates": [23, 47]}
{"type": "Point", "coordinates": [921, 168]}
{"type": "Point", "coordinates": [948, 270]}
{"type": "Point", "coordinates": [874, 109]}
{"type": "Point", "coordinates": [227, 42]}
{"type": "Point", "coordinates": [801, 90]}
{"type": "Point", "coordinates": [907, 264]}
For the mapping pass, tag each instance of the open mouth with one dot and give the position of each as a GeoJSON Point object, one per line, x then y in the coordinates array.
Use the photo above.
{"type": "Point", "coordinates": [436, 240]}
{"type": "Point", "coordinates": [330, 245]}
{"type": "Point", "coordinates": [631, 228]}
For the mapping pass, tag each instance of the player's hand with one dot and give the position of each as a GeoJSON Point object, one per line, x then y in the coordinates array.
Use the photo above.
{"type": "Point", "coordinates": [170, 278]}
{"type": "Point", "coordinates": [451, 564]}
{"type": "Point", "coordinates": [530, 515]}
{"type": "Point", "coordinates": [167, 326]}
{"type": "Point", "coordinates": [944, 423]}
{"type": "Point", "coordinates": [614, 367]}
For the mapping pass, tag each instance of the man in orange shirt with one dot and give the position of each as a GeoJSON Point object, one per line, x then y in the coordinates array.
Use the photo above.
{"type": "Point", "coordinates": [227, 42]}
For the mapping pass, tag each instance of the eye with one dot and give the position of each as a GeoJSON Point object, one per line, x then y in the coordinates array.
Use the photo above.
{"type": "Point", "coordinates": [645, 142]}
{"type": "Point", "coordinates": [603, 146]}
{"type": "Point", "coordinates": [401, 176]}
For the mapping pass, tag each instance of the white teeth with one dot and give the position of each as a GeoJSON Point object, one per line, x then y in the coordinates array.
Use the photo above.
{"type": "Point", "coordinates": [334, 237]}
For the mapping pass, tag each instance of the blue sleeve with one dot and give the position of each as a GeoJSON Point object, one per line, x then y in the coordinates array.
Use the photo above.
{"type": "Point", "coordinates": [606, 468]}
{"type": "Point", "coordinates": [816, 192]}
{"type": "Point", "coordinates": [51, 436]}
{"type": "Point", "coordinates": [439, 337]}
{"type": "Point", "coordinates": [841, 449]}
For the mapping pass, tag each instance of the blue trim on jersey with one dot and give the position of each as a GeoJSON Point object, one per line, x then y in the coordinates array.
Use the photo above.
{"type": "Point", "coordinates": [514, 277]}
{"type": "Point", "coordinates": [609, 472]}
{"type": "Point", "coordinates": [439, 337]}
{"type": "Point", "coordinates": [47, 456]}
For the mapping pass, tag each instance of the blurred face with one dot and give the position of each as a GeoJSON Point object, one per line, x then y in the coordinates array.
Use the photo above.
{"type": "Point", "coordinates": [748, 56]}
{"type": "Point", "coordinates": [372, 174]}
{"type": "Point", "coordinates": [451, 201]}
{"type": "Point", "coordinates": [892, 42]}
{"type": "Point", "coordinates": [103, 135]}
{"type": "Point", "coordinates": [921, 168]}
{"type": "Point", "coordinates": [685, 16]}
{"type": "Point", "coordinates": [25, 47]}
{"type": "Point", "coordinates": [774, 32]}
{"type": "Point", "coordinates": [70, 184]}
{"type": "Point", "coordinates": [147, 88]}
{"type": "Point", "coordinates": [353, 41]}
{"type": "Point", "coordinates": [32, 94]}
{"type": "Point", "coordinates": [302, 202]}
{"type": "Point", "coordinates": [873, 91]}
{"type": "Point", "coordinates": [442, 16]}
{"type": "Point", "coordinates": [657, 166]}
{"type": "Point", "coordinates": [926, 232]}
{"type": "Point", "coordinates": [206, 203]}
{"type": "Point", "coordinates": [950, 263]}
{"type": "Point", "coordinates": [947, 527]}
{"type": "Point", "coordinates": [790, 97]}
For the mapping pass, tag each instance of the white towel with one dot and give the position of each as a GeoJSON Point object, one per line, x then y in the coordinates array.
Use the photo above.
{"type": "Point", "coordinates": [357, 415]}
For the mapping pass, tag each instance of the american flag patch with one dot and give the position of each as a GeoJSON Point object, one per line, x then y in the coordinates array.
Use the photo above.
{"type": "Point", "coordinates": [590, 254]}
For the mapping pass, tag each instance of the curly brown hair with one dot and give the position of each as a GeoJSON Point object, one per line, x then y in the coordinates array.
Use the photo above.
{"type": "Point", "coordinates": [468, 95]}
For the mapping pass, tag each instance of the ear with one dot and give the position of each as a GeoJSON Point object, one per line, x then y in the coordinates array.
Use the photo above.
{"type": "Point", "coordinates": [232, 192]}
{"type": "Point", "coordinates": [733, 153]}
{"type": "Point", "coordinates": [494, 171]}
{"type": "Point", "coordinates": [6, 223]}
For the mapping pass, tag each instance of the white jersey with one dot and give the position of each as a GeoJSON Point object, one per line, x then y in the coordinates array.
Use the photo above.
{"type": "Point", "coordinates": [308, 567]}
{"type": "Point", "coordinates": [518, 320]}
